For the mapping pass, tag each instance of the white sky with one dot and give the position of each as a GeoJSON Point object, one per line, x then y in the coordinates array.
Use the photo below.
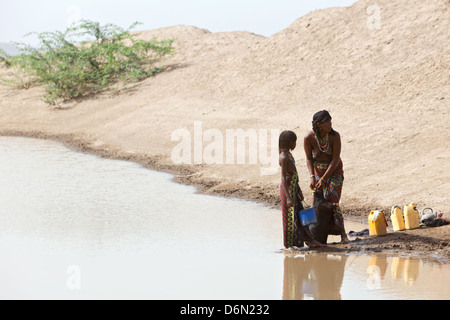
{"type": "Point", "coordinates": [265, 17]}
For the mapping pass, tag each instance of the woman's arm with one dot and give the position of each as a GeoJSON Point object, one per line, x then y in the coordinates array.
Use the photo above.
{"type": "Point", "coordinates": [309, 160]}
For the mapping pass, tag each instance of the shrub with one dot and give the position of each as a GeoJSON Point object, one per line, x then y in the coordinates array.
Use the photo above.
{"type": "Point", "coordinates": [87, 59]}
{"type": "Point", "coordinates": [4, 58]}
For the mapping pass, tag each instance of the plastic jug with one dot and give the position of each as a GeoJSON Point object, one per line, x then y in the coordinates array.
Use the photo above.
{"type": "Point", "coordinates": [397, 219]}
{"type": "Point", "coordinates": [411, 216]}
{"type": "Point", "coordinates": [377, 223]}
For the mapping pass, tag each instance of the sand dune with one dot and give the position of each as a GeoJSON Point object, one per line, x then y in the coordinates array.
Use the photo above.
{"type": "Point", "coordinates": [387, 89]}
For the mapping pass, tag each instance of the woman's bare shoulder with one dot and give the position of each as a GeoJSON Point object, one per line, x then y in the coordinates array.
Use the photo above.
{"type": "Point", "coordinates": [335, 134]}
{"type": "Point", "coordinates": [310, 135]}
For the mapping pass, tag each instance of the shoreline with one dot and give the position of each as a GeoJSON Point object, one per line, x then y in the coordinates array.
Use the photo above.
{"type": "Point", "coordinates": [420, 243]}
{"type": "Point", "coordinates": [182, 174]}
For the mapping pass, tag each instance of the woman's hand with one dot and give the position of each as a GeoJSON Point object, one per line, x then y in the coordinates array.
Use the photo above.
{"type": "Point", "coordinates": [321, 184]}
{"type": "Point", "coordinates": [312, 183]}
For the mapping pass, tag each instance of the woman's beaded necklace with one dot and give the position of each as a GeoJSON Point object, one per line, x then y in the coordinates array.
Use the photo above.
{"type": "Point", "coordinates": [324, 143]}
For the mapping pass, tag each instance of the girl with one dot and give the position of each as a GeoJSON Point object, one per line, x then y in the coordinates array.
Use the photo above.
{"type": "Point", "coordinates": [294, 234]}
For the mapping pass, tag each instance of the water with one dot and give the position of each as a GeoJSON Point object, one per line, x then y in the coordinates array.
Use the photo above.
{"type": "Point", "coordinates": [75, 226]}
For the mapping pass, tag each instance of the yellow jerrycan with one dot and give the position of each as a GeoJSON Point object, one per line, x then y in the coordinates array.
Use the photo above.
{"type": "Point", "coordinates": [411, 216]}
{"type": "Point", "coordinates": [397, 219]}
{"type": "Point", "coordinates": [397, 265]}
{"type": "Point", "coordinates": [377, 223]}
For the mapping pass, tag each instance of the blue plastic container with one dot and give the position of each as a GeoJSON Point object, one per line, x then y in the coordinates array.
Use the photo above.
{"type": "Point", "coordinates": [307, 216]}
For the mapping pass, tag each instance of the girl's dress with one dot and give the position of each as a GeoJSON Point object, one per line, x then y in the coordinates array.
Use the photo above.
{"type": "Point", "coordinates": [294, 234]}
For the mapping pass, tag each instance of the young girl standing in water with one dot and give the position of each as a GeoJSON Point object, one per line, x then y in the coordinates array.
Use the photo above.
{"type": "Point", "coordinates": [294, 234]}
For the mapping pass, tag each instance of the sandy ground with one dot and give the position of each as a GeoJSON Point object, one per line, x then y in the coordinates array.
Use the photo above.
{"type": "Point", "coordinates": [385, 82]}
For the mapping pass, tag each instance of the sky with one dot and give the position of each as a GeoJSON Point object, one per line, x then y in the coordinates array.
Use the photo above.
{"type": "Point", "coordinates": [264, 17]}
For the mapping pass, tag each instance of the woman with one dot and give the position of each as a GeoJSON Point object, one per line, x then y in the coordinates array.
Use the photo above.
{"type": "Point", "coordinates": [294, 234]}
{"type": "Point", "coordinates": [323, 158]}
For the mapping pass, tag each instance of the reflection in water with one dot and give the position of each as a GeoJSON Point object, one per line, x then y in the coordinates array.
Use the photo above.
{"type": "Point", "coordinates": [334, 277]}
{"type": "Point", "coordinates": [409, 268]}
{"type": "Point", "coordinates": [376, 271]}
{"type": "Point", "coordinates": [378, 267]}
{"type": "Point", "coordinates": [317, 277]}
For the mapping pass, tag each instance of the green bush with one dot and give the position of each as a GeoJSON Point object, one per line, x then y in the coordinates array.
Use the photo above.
{"type": "Point", "coordinates": [87, 59]}
{"type": "Point", "coordinates": [4, 58]}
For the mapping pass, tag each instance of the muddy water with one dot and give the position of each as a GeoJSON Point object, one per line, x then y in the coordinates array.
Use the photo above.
{"type": "Point", "coordinates": [74, 226]}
